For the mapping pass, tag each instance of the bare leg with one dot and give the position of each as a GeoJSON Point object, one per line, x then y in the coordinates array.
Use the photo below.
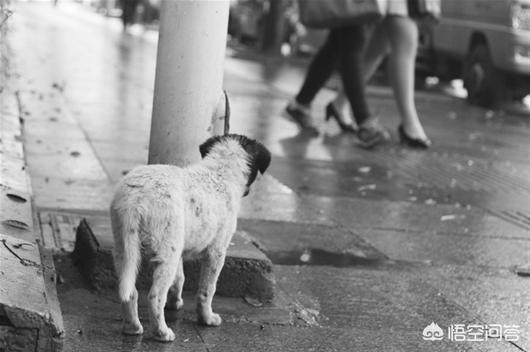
{"type": "Point", "coordinates": [211, 265]}
{"type": "Point", "coordinates": [131, 323]}
{"type": "Point", "coordinates": [378, 48]}
{"type": "Point", "coordinates": [403, 35]}
{"type": "Point", "coordinates": [163, 277]}
{"type": "Point", "coordinates": [174, 299]}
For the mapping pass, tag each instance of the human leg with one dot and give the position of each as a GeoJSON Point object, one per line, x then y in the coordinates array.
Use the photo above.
{"type": "Point", "coordinates": [403, 35]}
{"type": "Point", "coordinates": [319, 71]}
{"type": "Point", "coordinates": [377, 48]}
{"type": "Point", "coordinates": [353, 40]}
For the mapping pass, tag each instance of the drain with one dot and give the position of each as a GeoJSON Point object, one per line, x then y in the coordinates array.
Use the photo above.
{"type": "Point", "coordinates": [16, 198]}
{"type": "Point", "coordinates": [515, 217]}
{"type": "Point", "coordinates": [315, 256]}
{"type": "Point", "coordinates": [16, 224]}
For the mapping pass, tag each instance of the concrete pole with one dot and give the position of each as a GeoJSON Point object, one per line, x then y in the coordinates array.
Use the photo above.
{"type": "Point", "coordinates": [189, 75]}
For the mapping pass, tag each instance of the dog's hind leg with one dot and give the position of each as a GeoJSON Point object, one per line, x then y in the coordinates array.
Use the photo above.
{"type": "Point", "coordinates": [131, 323]}
{"type": "Point", "coordinates": [174, 299]}
{"type": "Point", "coordinates": [211, 264]}
{"type": "Point", "coordinates": [163, 276]}
{"type": "Point", "coordinates": [126, 260]}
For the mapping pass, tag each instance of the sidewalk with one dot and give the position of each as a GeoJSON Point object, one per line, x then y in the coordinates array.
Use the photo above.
{"type": "Point", "coordinates": [369, 247]}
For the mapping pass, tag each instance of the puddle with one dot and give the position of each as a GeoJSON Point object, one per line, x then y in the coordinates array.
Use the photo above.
{"type": "Point", "coordinates": [320, 257]}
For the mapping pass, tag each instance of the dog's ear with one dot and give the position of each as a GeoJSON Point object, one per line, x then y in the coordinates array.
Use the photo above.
{"type": "Point", "coordinates": [207, 145]}
{"type": "Point", "coordinates": [263, 157]}
{"type": "Point", "coordinates": [260, 157]}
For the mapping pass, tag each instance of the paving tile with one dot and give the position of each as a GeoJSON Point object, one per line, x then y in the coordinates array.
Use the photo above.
{"type": "Point", "coordinates": [430, 247]}
{"type": "Point", "coordinates": [52, 193]}
{"type": "Point", "coordinates": [404, 216]}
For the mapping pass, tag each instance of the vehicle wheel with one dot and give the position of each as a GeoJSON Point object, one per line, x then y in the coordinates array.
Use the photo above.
{"type": "Point", "coordinates": [483, 82]}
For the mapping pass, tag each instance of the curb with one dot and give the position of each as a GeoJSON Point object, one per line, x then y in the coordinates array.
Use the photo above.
{"type": "Point", "coordinates": [30, 315]}
{"type": "Point", "coordinates": [247, 271]}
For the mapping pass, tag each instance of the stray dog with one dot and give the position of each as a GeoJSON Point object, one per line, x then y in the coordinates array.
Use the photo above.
{"type": "Point", "coordinates": [171, 213]}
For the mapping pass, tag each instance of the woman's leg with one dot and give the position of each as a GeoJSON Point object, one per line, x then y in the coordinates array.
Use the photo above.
{"type": "Point", "coordinates": [403, 35]}
{"type": "Point", "coordinates": [352, 41]}
{"type": "Point", "coordinates": [320, 69]}
{"type": "Point", "coordinates": [378, 47]}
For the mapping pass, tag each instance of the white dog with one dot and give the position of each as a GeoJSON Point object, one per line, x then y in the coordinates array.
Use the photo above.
{"type": "Point", "coordinates": [169, 213]}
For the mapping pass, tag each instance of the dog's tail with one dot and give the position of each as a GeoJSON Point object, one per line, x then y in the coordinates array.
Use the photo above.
{"type": "Point", "coordinates": [127, 257]}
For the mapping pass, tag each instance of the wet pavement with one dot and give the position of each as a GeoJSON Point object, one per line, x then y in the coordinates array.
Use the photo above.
{"type": "Point", "coordinates": [370, 246]}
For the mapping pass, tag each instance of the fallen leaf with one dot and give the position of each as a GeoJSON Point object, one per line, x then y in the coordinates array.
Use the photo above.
{"type": "Point", "coordinates": [448, 217]}
{"type": "Point", "coordinates": [523, 270]}
{"type": "Point", "coordinates": [364, 169]}
{"type": "Point", "coordinates": [305, 257]}
{"type": "Point", "coordinates": [253, 302]}
{"type": "Point", "coordinates": [489, 114]}
{"type": "Point", "coordinates": [367, 187]}
{"type": "Point", "coordinates": [452, 115]}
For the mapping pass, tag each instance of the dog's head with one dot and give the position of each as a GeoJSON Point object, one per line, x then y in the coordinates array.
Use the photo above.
{"type": "Point", "coordinates": [258, 156]}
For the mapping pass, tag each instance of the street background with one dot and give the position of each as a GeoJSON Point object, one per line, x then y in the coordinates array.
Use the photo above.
{"type": "Point", "coordinates": [446, 229]}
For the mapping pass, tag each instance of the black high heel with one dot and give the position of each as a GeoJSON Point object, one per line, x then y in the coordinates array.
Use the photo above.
{"type": "Point", "coordinates": [331, 111]}
{"type": "Point", "coordinates": [416, 143]}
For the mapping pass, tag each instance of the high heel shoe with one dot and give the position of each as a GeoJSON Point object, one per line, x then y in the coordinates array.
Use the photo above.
{"type": "Point", "coordinates": [331, 111]}
{"type": "Point", "coordinates": [301, 115]}
{"type": "Point", "coordinates": [412, 142]}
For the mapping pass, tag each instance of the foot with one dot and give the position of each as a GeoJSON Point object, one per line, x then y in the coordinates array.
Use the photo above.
{"type": "Point", "coordinates": [164, 334]}
{"type": "Point", "coordinates": [301, 115]}
{"type": "Point", "coordinates": [413, 142]}
{"type": "Point", "coordinates": [212, 319]}
{"type": "Point", "coordinates": [414, 130]}
{"type": "Point", "coordinates": [333, 112]}
{"type": "Point", "coordinates": [371, 133]}
{"type": "Point", "coordinates": [132, 328]}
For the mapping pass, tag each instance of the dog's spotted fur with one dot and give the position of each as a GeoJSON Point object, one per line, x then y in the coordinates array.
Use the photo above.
{"type": "Point", "coordinates": [173, 212]}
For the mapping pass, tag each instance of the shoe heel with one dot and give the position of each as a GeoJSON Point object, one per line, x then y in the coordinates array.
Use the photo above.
{"type": "Point", "coordinates": [300, 118]}
{"type": "Point", "coordinates": [411, 142]}
{"type": "Point", "coordinates": [331, 112]}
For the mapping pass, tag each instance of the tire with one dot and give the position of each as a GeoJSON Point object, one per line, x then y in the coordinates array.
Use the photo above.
{"type": "Point", "coordinates": [482, 80]}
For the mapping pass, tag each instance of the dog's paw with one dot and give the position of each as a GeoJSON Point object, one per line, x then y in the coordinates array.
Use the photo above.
{"type": "Point", "coordinates": [164, 335]}
{"type": "Point", "coordinates": [213, 319]}
{"type": "Point", "coordinates": [132, 328]}
{"type": "Point", "coordinates": [174, 304]}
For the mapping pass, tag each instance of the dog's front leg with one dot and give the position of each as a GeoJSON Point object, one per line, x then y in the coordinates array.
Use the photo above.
{"type": "Point", "coordinates": [211, 264]}
{"type": "Point", "coordinates": [174, 298]}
